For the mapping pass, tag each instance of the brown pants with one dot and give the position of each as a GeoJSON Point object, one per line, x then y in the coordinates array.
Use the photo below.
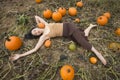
{"type": "Point", "coordinates": [76, 34]}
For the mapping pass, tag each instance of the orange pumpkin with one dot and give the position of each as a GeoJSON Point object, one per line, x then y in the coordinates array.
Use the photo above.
{"type": "Point", "coordinates": [47, 13]}
{"type": "Point", "coordinates": [13, 43]}
{"type": "Point", "coordinates": [93, 60]}
{"type": "Point", "coordinates": [77, 20]}
{"type": "Point", "coordinates": [114, 45]}
{"type": "Point", "coordinates": [47, 43]}
{"type": "Point", "coordinates": [117, 31]}
{"type": "Point", "coordinates": [102, 20]}
{"type": "Point", "coordinates": [62, 11]}
{"type": "Point", "coordinates": [67, 72]}
{"type": "Point", "coordinates": [79, 4]}
{"type": "Point", "coordinates": [38, 1]}
{"type": "Point", "coordinates": [56, 16]}
{"type": "Point", "coordinates": [107, 14]}
{"type": "Point", "coordinates": [41, 25]}
{"type": "Point", "coordinates": [72, 11]}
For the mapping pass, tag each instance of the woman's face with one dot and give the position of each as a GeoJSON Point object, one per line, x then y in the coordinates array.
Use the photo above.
{"type": "Point", "coordinates": [37, 31]}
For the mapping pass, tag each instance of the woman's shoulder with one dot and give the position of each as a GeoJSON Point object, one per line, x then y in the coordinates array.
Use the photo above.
{"type": "Point", "coordinates": [46, 30]}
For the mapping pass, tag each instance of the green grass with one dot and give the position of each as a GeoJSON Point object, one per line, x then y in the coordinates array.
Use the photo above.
{"type": "Point", "coordinates": [46, 62]}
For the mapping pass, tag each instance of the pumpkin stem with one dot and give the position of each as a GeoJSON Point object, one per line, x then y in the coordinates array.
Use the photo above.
{"type": "Point", "coordinates": [7, 38]}
{"type": "Point", "coordinates": [68, 71]}
{"type": "Point", "coordinates": [62, 7]}
{"type": "Point", "coordinates": [100, 17]}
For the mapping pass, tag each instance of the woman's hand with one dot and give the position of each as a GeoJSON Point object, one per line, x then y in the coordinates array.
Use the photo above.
{"type": "Point", "coordinates": [14, 57]}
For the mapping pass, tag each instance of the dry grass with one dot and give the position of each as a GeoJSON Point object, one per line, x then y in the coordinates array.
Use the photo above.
{"type": "Point", "coordinates": [46, 63]}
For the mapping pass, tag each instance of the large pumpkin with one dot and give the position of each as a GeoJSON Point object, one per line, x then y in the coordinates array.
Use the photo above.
{"type": "Point", "coordinates": [72, 11]}
{"type": "Point", "coordinates": [62, 10]}
{"type": "Point", "coordinates": [102, 20]}
{"type": "Point", "coordinates": [47, 13]}
{"type": "Point", "coordinates": [67, 72]}
{"type": "Point", "coordinates": [13, 43]}
{"type": "Point", "coordinates": [56, 16]}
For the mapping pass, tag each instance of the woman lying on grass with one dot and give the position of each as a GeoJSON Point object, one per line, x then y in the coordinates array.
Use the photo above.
{"type": "Point", "coordinates": [52, 30]}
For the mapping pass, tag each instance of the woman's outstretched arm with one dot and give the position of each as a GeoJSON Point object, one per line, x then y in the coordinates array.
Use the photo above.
{"type": "Point", "coordinates": [39, 19]}
{"type": "Point", "coordinates": [38, 45]}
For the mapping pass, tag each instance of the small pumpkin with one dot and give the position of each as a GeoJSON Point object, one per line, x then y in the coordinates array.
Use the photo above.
{"type": "Point", "coordinates": [67, 72]}
{"type": "Point", "coordinates": [114, 45]}
{"type": "Point", "coordinates": [72, 46]}
{"type": "Point", "coordinates": [38, 1]}
{"type": "Point", "coordinates": [117, 31]}
{"type": "Point", "coordinates": [41, 25]}
{"type": "Point", "coordinates": [62, 10]}
{"type": "Point", "coordinates": [79, 4]}
{"type": "Point", "coordinates": [13, 43]}
{"type": "Point", "coordinates": [72, 11]}
{"type": "Point", "coordinates": [107, 14]}
{"type": "Point", "coordinates": [56, 16]}
{"type": "Point", "coordinates": [47, 13]}
{"type": "Point", "coordinates": [102, 20]}
{"type": "Point", "coordinates": [47, 43]}
{"type": "Point", "coordinates": [77, 20]}
{"type": "Point", "coordinates": [93, 60]}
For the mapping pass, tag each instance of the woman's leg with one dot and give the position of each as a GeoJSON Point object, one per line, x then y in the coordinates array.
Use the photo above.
{"type": "Point", "coordinates": [81, 40]}
{"type": "Point", "coordinates": [99, 55]}
{"type": "Point", "coordinates": [87, 30]}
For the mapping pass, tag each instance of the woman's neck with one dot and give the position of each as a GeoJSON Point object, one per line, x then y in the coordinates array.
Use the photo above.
{"type": "Point", "coordinates": [42, 30]}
